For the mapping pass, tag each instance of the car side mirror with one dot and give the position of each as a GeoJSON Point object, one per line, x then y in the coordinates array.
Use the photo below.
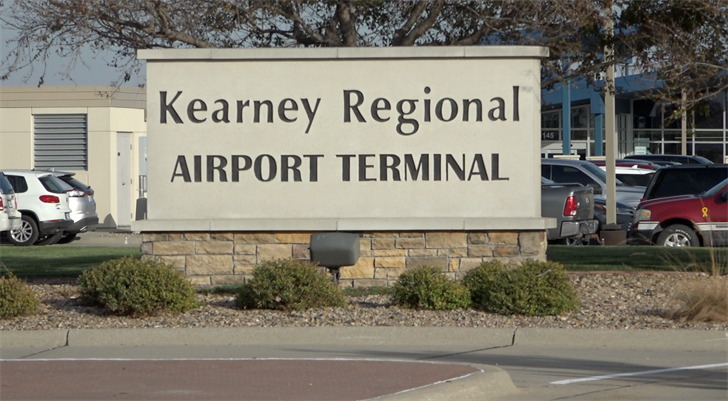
{"type": "Point", "coordinates": [597, 189]}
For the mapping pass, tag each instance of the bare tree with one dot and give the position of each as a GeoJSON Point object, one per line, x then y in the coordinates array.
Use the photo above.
{"type": "Point", "coordinates": [681, 42]}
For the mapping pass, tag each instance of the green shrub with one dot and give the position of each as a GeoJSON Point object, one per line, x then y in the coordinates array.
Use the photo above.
{"type": "Point", "coordinates": [534, 288]}
{"type": "Point", "coordinates": [429, 288]}
{"type": "Point", "coordinates": [129, 286]}
{"type": "Point", "coordinates": [16, 298]}
{"type": "Point", "coordinates": [287, 284]}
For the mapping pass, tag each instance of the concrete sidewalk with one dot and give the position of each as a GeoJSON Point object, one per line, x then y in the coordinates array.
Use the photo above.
{"type": "Point", "coordinates": [454, 349]}
{"type": "Point", "coordinates": [695, 340]}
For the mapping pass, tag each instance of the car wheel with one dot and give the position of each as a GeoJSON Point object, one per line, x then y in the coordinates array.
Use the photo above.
{"type": "Point", "coordinates": [49, 239]}
{"type": "Point", "coordinates": [26, 234]}
{"type": "Point", "coordinates": [68, 238]}
{"type": "Point", "coordinates": [678, 235]}
{"type": "Point", "coordinates": [576, 241]}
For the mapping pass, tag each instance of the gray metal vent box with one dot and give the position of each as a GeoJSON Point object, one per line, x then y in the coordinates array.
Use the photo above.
{"type": "Point", "coordinates": [335, 249]}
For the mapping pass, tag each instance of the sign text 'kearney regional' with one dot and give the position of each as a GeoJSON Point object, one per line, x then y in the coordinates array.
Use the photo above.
{"type": "Point", "coordinates": [355, 108]}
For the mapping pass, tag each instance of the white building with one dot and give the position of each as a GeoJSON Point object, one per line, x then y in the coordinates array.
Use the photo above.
{"type": "Point", "coordinates": [98, 132]}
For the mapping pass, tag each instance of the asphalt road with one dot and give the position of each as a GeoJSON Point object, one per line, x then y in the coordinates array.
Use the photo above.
{"type": "Point", "coordinates": [365, 363]}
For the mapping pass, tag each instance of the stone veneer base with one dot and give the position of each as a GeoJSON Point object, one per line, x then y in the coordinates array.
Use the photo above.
{"type": "Point", "coordinates": [215, 258]}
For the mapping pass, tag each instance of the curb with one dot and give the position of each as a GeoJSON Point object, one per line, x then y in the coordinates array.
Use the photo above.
{"type": "Point", "coordinates": [476, 338]}
{"type": "Point", "coordinates": [391, 336]}
{"type": "Point", "coordinates": [490, 383]}
{"type": "Point", "coordinates": [33, 339]}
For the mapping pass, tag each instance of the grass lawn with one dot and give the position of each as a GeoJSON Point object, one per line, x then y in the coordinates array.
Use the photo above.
{"type": "Point", "coordinates": [638, 258]}
{"type": "Point", "coordinates": [66, 261]}
{"type": "Point", "coordinates": [57, 261]}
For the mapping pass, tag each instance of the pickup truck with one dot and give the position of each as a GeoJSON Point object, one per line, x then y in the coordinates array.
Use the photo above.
{"type": "Point", "coordinates": [586, 173]}
{"type": "Point", "coordinates": [572, 205]}
{"type": "Point", "coordinates": [684, 220]}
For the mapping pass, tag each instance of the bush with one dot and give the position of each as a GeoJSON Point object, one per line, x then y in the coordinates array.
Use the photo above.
{"type": "Point", "coordinates": [703, 301]}
{"type": "Point", "coordinates": [429, 288]}
{"type": "Point", "coordinates": [129, 286]}
{"type": "Point", "coordinates": [288, 284]}
{"type": "Point", "coordinates": [16, 298]}
{"type": "Point", "coordinates": [534, 288]}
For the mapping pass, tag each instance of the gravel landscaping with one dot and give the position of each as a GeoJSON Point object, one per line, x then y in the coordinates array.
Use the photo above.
{"type": "Point", "coordinates": [608, 301]}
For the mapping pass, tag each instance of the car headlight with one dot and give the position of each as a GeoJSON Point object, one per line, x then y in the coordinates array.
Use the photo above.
{"type": "Point", "coordinates": [642, 214]}
{"type": "Point", "coordinates": [625, 210]}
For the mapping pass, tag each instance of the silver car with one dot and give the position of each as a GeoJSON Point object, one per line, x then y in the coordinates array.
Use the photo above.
{"type": "Point", "coordinates": [82, 204]}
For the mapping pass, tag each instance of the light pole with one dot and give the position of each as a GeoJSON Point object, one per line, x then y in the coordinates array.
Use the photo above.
{"type": "Point", "coordinates": [609, 121]}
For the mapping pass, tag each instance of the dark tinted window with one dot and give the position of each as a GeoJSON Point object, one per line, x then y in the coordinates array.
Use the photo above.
{"type": "Point", "coordinates": [5, 187]}
{"type": "Point", "coordinates": [75, 183]}
{"type": "Point", "coordinates": [567, 174]}
{"type": "Point", "coordinates": [701, 160]}
{"type": "Point", "coordinates": [18, 183]}
{"type": "Point", "coordinates": [546, 171]}
{"type": "Point", "coordinates": [53, 184]}
{"type": "Point", "coordinates": [685, 181]}
{"type": "Point", "coordinates": [635, 180]}
{"type": "Point", "coordinates": [716, 188]}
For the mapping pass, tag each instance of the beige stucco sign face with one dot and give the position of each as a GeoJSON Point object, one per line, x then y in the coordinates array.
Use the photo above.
{"type": "Point", "coordinates": [318, 135]}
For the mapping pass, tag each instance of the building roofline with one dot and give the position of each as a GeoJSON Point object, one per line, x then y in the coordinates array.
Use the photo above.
{"type": "Point", "coordinates": [72, 96]}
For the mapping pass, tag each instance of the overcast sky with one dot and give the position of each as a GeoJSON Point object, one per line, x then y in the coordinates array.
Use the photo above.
{"type": "Point", "coordinates": [94, 72]}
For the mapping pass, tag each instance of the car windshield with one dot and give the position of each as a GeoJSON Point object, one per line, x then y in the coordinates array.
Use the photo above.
{"type": "Point", "coordinates": [5, 187]}
{"type": "Point", "coordinates": [55, 185]}
{"type": "Point", "coordinates": [601, 174]}
{"type": "Point", "coordinates": [715, 189]}
{"type": "Point", "coordinates": [636, 180]}
{"type": "Point", "coordinates": [703, 160]}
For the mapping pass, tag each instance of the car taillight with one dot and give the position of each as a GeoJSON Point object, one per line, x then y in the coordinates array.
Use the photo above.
{"type": "Point", "coordinates": [50, 199]}
{"type": "Point", "coordinates": [76, 193]}
{"type": "Point", "coordinates": [2, 207]}
{"type": "Point", "coordinates": [570, 206]}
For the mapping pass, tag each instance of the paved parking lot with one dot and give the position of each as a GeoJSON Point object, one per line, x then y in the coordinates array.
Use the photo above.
{"type": "Point", "coordinates": [102, 237]}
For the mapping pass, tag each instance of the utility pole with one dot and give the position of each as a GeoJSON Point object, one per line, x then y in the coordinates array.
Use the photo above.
{"type": "Point", "coordinates": [609, 120]}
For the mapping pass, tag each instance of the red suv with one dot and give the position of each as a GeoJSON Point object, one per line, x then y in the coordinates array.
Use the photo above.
{"type": "Point", "coordinates": [686, 220]}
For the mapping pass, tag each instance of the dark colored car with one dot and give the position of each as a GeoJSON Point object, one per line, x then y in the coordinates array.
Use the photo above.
{"type": "Point", "coordinates": [685, 220]}
{"type": "Point", "coordinates": [682, 159]}
{"type": "Point", "coordinates": [625, 214]}
{"type": "Point", "coordinates": [690, 179]}
{"type": "Point", "coordinates": [629, 163]}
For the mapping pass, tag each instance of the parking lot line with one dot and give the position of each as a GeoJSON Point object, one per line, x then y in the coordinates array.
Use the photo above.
{"type": "Point", "coordinates": [644, 372]}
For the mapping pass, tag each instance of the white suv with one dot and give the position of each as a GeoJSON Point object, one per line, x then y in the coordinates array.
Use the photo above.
{"type": "Point", "coordinates": [83, 206]}
{"type": "Point", "coordinates": [43, 204]}
{"type": "Point", "coordinates": [9, 215]}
